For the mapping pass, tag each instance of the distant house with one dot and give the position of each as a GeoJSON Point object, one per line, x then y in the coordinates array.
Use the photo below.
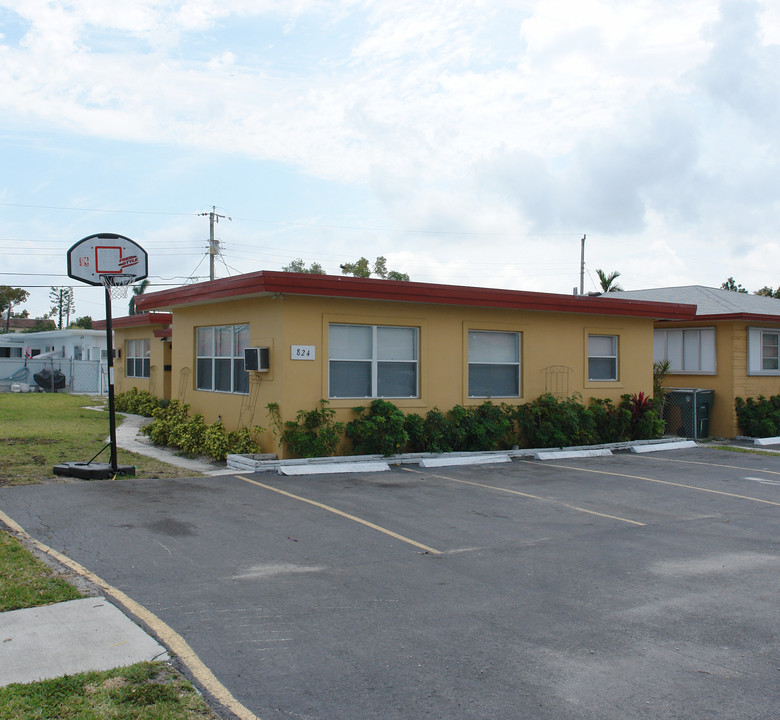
{"type": "Point", "coordinates": [731, 346]}
{"type": "Point", "coordinates": [349, 340]}
{"type": "Point", "coordinates": [18, 325]}
{"type": "Point", "coordinates": [76, 344]}
{"type": "Point", "coordinates": [80, 355]}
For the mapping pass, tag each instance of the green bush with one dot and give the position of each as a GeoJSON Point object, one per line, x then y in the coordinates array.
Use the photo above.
{"type": "Point", "coordinates": [646, 421]}
{"type": "Point", "coordinates": [550, 422]}
{"type": "Point", "coordinates": [137, 403]}
{"type": "Point", "coordinates": [173, 427]}
{"type": "Point", "coordinates": [378, 429]}
{"type": "Point", "coordinates": [610, 423]}
{"type": "Point", "coordinates": [313, 433]}
{"type": "Point", "coordinates": [758, 417]}
{"type": "Point", "coordinates": [482, 427]}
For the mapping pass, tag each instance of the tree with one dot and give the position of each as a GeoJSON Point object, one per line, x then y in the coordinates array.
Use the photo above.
{"type": "Point", "coordinates": [607, 281]}
{"type": "Point", "coordinates": [360, 268]}
{"type": "Point", "coordinates": [767, 291]}
{"type": "Point", "coordinates": [10, 296]}
{"type": "Point", "coordinates": [139, 289]}
{"type": "Point", "coordinates": [297, 266]}
{"type": "Point", "coordinates": [85, 323]}
{"type": "Point", "coordinates": [63, 303]}
{"type": "Point", "coordinates": [730, 284]}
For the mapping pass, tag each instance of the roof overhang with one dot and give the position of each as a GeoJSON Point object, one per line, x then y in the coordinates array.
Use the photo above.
{"type": "Point", "coordinates": [267, 283]}
{"type": "Point", "coordinates": [138, 320]}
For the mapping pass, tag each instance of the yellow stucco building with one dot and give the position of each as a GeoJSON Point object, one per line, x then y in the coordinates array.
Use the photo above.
{"type": "Point", "coordinates": [349, 340]}
{"type": "Point", "coordinates": [731, 346]}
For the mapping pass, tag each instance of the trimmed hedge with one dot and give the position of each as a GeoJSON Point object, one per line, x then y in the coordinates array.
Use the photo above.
{"type": "Point", "coordinates": [758, 417]}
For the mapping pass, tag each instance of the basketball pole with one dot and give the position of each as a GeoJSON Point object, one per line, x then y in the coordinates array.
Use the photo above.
{"type": "Point", "coordinates": [110, 352]}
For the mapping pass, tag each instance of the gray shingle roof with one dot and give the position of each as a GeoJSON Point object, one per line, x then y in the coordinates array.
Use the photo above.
{"type": "Point", "coordinates": [709, 301]}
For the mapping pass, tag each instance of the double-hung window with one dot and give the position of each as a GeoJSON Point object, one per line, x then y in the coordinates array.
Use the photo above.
{"type": "Point", "coordinates": [137, 358]}
{"type": "Point", "coordinates": [763, 351]}
{"type": "Point", "coordinates": [494, 364]}
{"type": "Point", "coordinates": [220, 358]}
{"type": "Point", "coordinates": [602, 357]}
{"type": "Point", "coordinates": [372, 361]}
{"type": "Point", "coordinates": [690, 350]}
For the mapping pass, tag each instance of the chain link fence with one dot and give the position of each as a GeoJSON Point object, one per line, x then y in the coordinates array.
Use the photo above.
{"type": "Point", "coordinates": [687, 412]}
{"type": "Point", "coordinates": [54, 375]}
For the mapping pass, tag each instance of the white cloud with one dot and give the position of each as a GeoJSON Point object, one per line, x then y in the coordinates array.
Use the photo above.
{"type": "Point", "coordinates": [646, 124]}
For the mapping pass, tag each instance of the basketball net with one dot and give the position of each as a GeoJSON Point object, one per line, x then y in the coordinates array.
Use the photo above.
{"type": "Point", "coordinates": [117, 285]}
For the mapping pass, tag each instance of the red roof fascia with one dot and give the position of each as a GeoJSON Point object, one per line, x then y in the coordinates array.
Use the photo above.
{"type": "Point", "coordinates": [138, 320]}
{"type": "Point", "coordinates": [271, 282]}
{"type": "Point", "coordinates": [747, 317]}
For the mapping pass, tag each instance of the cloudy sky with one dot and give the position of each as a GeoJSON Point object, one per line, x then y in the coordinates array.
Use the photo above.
{"type": "Point", "coordinates": [469, 141]}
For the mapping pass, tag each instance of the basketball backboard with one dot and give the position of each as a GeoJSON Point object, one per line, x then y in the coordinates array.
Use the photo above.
{"type": "Point", "coordinates": [107, 258]}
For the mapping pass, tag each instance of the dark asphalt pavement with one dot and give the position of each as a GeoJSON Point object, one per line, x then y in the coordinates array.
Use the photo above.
{"type": "Point", "coordinates": [636, 586]}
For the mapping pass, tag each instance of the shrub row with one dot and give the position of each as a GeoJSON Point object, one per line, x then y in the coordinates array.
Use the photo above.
{"type": "Point", "coordinates": [172, 426]}
{"type": "Point", "coordinates": [138, 403]}
{"type": "Point", "coordinates": [758, 417]}
{"type": "Point", "coordinates": [382, 428]}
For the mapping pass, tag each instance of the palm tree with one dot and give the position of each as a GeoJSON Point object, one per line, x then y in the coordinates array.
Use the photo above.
{"type": "Point", "coordinates": [137, 290]}
{"type": "Point", "coordinates": [608, 283]}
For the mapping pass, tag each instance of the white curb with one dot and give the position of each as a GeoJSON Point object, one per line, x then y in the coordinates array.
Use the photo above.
{"type": "Point", "coordinates": [331, 468]}
{"type": "Point", "coordinates": [681, 445]}
{"type": "Point", "coordinates": [464, 460]}
{"type": "Point", "coordinates": [570, 454]}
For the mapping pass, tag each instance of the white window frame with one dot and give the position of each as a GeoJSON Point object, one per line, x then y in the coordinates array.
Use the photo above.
{"type": "Point", "coordinates": [614, 356]}
{"type": "Point", "coordinates": [239, 377]}
{"type": "Point", "coordinates": [669, 344]}
{"type": "Point", "coordinates": [757, 340]}
{"type": "Point", "coordinates": [138, 354]}
{"type": "Point", "coordinates": [374, 360]}
{"type": "Point", "coordinates": [517, 365]}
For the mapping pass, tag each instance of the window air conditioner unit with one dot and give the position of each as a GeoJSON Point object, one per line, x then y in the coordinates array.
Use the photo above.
{"type": "Point", "coordinates": [256, 358]}
{"type": "Point", "coordinates": [117, 353]}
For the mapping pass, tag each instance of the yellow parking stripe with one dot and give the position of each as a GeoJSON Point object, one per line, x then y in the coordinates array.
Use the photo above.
{"type": "Point", "coordinates": [341, 513]}
{"type": "Point", "coordinates": [528, 495]}
{"type": "Point", "coordinates": [660, 482]}
{"type": "Point", "coordinates": [177, 644]}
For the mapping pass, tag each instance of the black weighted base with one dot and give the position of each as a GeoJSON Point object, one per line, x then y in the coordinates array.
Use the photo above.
{"type": "Point", "coordinates": [92, 470]}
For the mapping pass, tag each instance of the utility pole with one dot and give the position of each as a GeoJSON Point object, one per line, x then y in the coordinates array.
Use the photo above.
{"type": "Point", "coordinates": [582, 266]}
{"type": "Point", "coordinates": [213, 242]}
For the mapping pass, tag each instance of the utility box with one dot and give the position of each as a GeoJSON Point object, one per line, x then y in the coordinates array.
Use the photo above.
{"type": "Point", "coordinates": [687, 412]}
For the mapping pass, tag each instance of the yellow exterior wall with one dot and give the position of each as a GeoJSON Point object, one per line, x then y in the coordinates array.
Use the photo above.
{"type": "Point", "coordinates": [549, 340]}
{"type": "Point", "coordinates": [158, 382]}
{"type": "Point", "coordinates": [731, 379]}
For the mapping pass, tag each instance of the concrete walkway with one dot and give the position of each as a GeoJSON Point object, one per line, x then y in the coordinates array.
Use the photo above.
{"type": "Point", "coordinates": [129, 437]}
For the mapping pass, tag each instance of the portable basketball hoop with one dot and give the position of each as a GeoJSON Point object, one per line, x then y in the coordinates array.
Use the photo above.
{"type": "Point", "coordinates": [115, 262]}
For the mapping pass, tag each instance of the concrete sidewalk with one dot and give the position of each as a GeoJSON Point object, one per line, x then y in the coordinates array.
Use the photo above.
{"type": "Point", "coordinates": [70, 637]}
{"type": "Point", "coordinates": [129, 437]}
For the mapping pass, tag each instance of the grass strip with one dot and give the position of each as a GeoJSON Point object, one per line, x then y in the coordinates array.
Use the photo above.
{"type": "Point", "coordinates": [26, 581]}
{"type": "Point", "coordinates": [145, 691]}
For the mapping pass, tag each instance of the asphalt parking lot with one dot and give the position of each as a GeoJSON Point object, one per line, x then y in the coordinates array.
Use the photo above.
{"type": "Point", "coordinates": [632, 586]}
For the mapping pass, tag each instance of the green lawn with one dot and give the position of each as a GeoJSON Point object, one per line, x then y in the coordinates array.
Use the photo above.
{"type": "Point", "coordinates": [40, 430]}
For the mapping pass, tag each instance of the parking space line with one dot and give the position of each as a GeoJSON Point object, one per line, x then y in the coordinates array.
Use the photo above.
{"type": "Point", "coordinates": [660, 482]}
{"type": "Point", "coordinates": [528, 495]}
{"type": "Point", "coordinates": [343, 514]}
{"type": "Point", "coordinates": [175, 642]}
{"type": "Point", "coordinates": [711, 464]}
